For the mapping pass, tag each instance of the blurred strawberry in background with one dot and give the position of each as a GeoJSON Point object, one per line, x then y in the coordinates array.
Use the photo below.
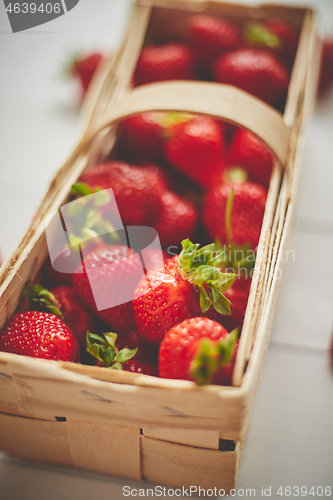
{"type": "Point", "coordinates": [82, 67]}
{"type": "Point", "coordinates": [325, 83]}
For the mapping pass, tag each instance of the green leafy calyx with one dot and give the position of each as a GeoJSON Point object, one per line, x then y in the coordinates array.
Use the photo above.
{"type": "Point", "coordinates": [201, 267]}
{"type": "Point", "coordinates": [87, 217]}
{"type": "Point", "coordinates": [42, 299]}
{"type": "Point", "coordinates": [106, 351]}
{"type": "Point", "coordinates": [212, 355]}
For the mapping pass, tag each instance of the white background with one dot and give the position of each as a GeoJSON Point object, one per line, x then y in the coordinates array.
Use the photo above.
{"type": "Point", "coordinates": [290, 441]}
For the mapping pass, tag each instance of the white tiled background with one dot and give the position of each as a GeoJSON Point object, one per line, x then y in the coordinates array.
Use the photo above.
{"type": "Point", "coordinates": [290, 441]}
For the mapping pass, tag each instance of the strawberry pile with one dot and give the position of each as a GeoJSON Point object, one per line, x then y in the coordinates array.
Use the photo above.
{"type": "Point", "coordinates": [114, 300]}
{"type": "Point", "coordinates": [256, 56]}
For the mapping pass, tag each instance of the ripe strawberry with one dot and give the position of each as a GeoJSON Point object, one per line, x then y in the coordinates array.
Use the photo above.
{"type": "Point", "coordinates": [40, 335]}
{"type": "Point", "coordinates": [134, 188]}
{"type": "Point", "coordinates": [247, 212]}
{"type": "Point", "coordinates": [255, 71]}
{"type": "Point", "coordinates": [111, 274]}
{"type": "Point", "coordinates": [84, 67]}
{"type": "Point", "coordinates": [146, 353]}
{"type": "Point", "coordinates": [196, 148]}
{"type": "Point", "coordinates": [211, 36]}
{"type": "Point", "coordinates": [238, 297]}
{"type": "Point", "coordinates": [139, 366]}
{"type": "Point", "coordinates": [198, 349]}
{"type": "Point", "coordinates": [176, 219]}
{"type": "Point", "coordinates": [167, 296]}
{"type": "Point", "coordinates": [250, 153]}
{"type": "Point", "coordinates": [275, 35]}
{"type": "Point", "coordinates": [171, 61]}
{"type": "Point", "coordinates": [326, 68]}
{"type": "Point", "coordinates": [161, 300]}
{"type": "Point", "coordinates": [64, 303]}
{"type": "Point", "coordinates": [51, 277]}
{"type": "Point", "coordinates": [142, 136]}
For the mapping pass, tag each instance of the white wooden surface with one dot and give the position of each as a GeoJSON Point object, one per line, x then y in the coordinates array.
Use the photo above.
{"type": "Point", "coordinates": [290, 441]}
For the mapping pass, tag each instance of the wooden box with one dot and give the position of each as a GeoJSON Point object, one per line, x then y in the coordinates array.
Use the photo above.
{"type": "Point", "coordinates": [165, 431]}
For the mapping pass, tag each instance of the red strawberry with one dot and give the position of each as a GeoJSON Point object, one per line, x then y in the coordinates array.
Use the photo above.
{"type": "Point", "coordinates": [176, 220]}
{"type": "Point", "coordinates": [142, 136]}
{"type": "Point", "coordinates": [53, 277]}
{"type": "Point", "coordinates": [288, 40]}
{"type": "Point", "coordinates": [40, 335]}
{"type": "Point", "coordinates": [255, 71]}
{"type": "Point", "coordinates": [161, 300]}
{"type": "Point", "coordinates": [64, 303]}
{"type": "Point", "coordinates": [196, 148]}
{"type": "Point", "coordinates": [169, 295]}
{"type": "Point", "coordinates": [198, 349]}
{"type": "Point", "coordinates": [275, 35]}
{"type": "Point", "coordinates": [147, 353]}
{"type": "Point", "coordinates": [114, 272]}
{"type": "Point", "coordinates": [84, 68]}
{"type": "Point", "coordinates": [211, 36]}
{"type": "Point", "coordinates": [238, 297]}
{"type": "Point", "coordinates": [135, 190]}
{"type": "Point", "coordinates": [247, 212]}
{"type": "Point", "coordinates": [139, 366]}
{"type": "Point", "coordinates": [171, 61]}
{"type": "Point", "coordinates": [326, 68]}
{"type": "Point", "coordinates": [250, 153]}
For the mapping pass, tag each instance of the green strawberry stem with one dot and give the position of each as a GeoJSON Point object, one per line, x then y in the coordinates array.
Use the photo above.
{"type": "Point", "coordinates": [258, 34]}
{"type": "Point", "coordinates": [106, 351]}
{"type": "Point", "coordinates": [201, 268]}
{"type": "Point", "coordinates": [248, 257]}
{"type": "Point", "coordinates": [41, 298]}
{"type": "Point", "coordinates": [211, 356]}
{"type": "Point", "coordinates": [228, 216]}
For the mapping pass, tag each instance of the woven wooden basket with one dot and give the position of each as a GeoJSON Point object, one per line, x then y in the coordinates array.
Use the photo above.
{"type": "Point", "coordinates": [166, 431]}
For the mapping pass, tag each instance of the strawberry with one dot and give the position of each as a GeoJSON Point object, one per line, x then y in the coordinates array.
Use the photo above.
{"type": "Point", "coordinates": [139, 366]}
{"type": "Point", "coordinates": [275, 35]}
{"type": "Point", "coordinates": [326, 67]}
{"type": "Point", "coordinates": [64, 303]}
{"type": "Point", "coordinates": [250, 153]}
{"type": "Point", "coordinates": [211, 36]}
{"type": "Point", "coordinates": [198, 349]}
{"type": "Point", "coordinates": [176, 220]}
{"type": "Point", "coordinates": [111, 273]}
{"type": "Point", "coordinates": [84, 67]}
{"type": "Point", "coordinates": [180, 290]}
{"type": "Point", "coordinates": [132, 340]}
{"type": "Point", "coordinates": [255, 71]}
{"type": "Point", "coordinates": [248, 206]}
{"type": "Point", "coordinates": [196, 148]}
{"type": "Point", "coordinates": [161, 300]}
{"type": "Point", "coordinates": [142, 136]}
{"type": "Point", "coordinates": [135, 190]}
{"type": "Point", "coordinates": [53, 277]}
{"type": "Point", "coordinates": [40, 335]}
{"type": "Point", "coordinates": [171, 61]}
{"type": "Point", "coordinates": [238, 297]}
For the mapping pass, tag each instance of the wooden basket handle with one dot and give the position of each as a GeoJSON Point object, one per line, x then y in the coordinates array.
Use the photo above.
{"type": "Point", "coordinates": [212, 99]}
